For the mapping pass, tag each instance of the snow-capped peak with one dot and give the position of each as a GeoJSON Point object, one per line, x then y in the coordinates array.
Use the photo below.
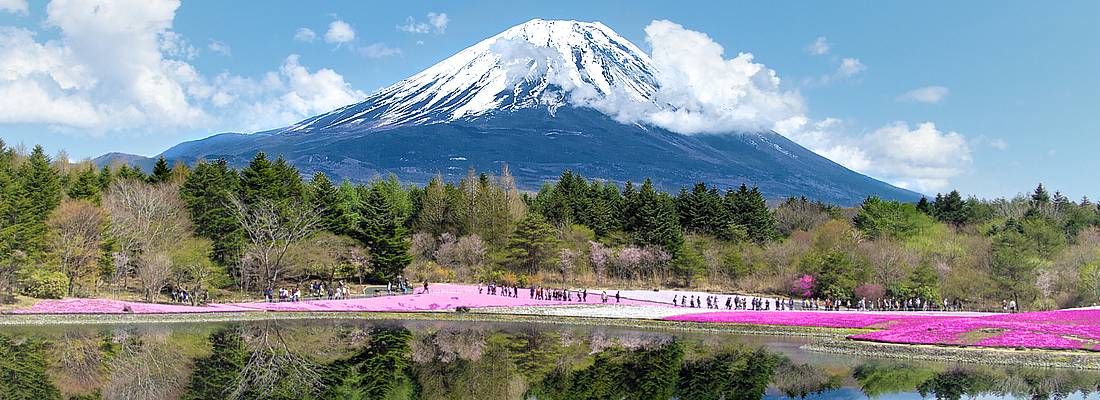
{"type": "Point", "coordinates": [540, 63]}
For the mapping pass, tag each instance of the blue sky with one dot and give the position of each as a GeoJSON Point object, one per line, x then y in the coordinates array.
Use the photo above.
{"type": "Point", "coordinates": [1011, 87]}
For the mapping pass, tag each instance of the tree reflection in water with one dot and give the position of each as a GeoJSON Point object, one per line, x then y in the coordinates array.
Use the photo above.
{"type": "Point", "coordinates": [435, 360]}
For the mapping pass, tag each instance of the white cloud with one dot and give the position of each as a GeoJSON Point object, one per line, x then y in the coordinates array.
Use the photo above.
{"type": "Point", "coordinates": [174, 45]}
{"type": "Point", "coordinates": [117, 66]}
{"type": "Point", "coordinates": [819, 47]}
{"type": "Point", "coordinates": [378, 50]}
{"type": "Point", "coordinates": [14, 6]}
{"type": "Point", "coordinates": [305, 35]}
{"type": "Point", "coordinates": [700, 91]}
{"type": "Point", "coordinates": [339, 32]}
{"type": "Point", "coordinates": [219, 47]}
{"type": "Point", "coordinates": [920, 157]}
{"type": "Point", "coordinates": [412, 26]}
{"type": "Point", "coordinates": [927, 94]}
{"type": "Point", "coordinates": [281, 97]}
{"type": "Point", "coordinates": [436, 22]}
{"type": "Point", "coordinates": [850, 67]}
{"type": "Point", "coordinates": [439, 21]}
{"type": "Point", "coordinates": [995, 143]}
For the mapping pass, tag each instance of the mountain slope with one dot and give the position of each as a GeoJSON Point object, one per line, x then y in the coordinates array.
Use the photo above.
{"type": "Point", "coordinates": [521, 98]}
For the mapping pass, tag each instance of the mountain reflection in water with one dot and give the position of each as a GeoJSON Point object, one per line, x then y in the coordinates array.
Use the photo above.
{"type": "Point", "coordinates": [343, 359]}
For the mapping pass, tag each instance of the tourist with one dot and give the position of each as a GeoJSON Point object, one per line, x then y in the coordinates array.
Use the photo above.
{"type": "Point", "coordinates": [603, 296]}
{"type": "Point", "coordinates": [425, 287]}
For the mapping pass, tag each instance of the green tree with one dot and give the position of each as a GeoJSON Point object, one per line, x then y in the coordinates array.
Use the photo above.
{"type": "Point", "coordinates": [731, 375]}
{"type": "Point", "coordinates": [381, 229]}
{"type": "Point", "coordinates": [433, 208]}
{"type": "Point", "coordinates": [747, 208]}
{"type": "Point", "coordinates": [277, 182]}
{"type": "Point", "coordinates": [335, 210]}
{"type": "Point", "coordinates": [23, 365]}
{"type": "Point", "coordinates": [925, 207]}
{"type": "Point", "coordinates": [952, 209]}
{"type": "Point", "coordinates": [161, 171]}
{"type": "Point", "coordinates": [39, 195]}
{"type": "Point", "coordinates": [85, 186]}
{"type": "Point", "coordinates": [1015, 265]}
{"type": "Point", "coordinates": [216, 375]}
{"type": "Point", "coordinates": [380, 370]}
{"type": "Point", "coordinates": [531, 245]}
{"type": "Point", "coordinates": [207, 193]}
{"type": "Point", "coordinates": [890, 219]}
{"type": "Point", "coordinates": [656, 222]}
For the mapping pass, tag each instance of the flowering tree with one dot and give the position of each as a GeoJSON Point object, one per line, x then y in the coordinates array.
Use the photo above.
{"type": "Point", "coordinates": [870, 291]}
{"type": "Point", "coordinates": [804, 286]}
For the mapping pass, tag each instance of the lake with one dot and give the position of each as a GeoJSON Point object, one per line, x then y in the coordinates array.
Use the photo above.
{"type": "Point", "coordinates": [358, 359]}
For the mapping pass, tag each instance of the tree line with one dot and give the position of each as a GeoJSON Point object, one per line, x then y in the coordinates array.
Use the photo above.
{"type": "Point", "coordinates": [71, 229]}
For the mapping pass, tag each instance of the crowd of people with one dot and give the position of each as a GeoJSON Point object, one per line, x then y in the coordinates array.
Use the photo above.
{"type": "Point", "coordinates": [544, 293]}
{"type": "Point", "coordinates": [339, 290]}
{"type": "Point", "coordinates": [180, 295]}
{"type": "Point", "coordinates": [733, 302]}
{"type": "Point", "coordinates": [779, 304]}
{"type": "Point", "coordinates": [317, 290]}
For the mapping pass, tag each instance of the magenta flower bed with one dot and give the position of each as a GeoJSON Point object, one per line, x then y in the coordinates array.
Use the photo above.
{"type": "Point", "coordinates": [1067, 329]}
{"type": "Point", "coordinates": [837, 319]}
{"type": "Point", "coordinates": [440, 297]}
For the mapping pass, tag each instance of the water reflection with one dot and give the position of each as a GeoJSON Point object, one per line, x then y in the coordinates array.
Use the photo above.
{"type": "Point", "coordinates": [446, 360]}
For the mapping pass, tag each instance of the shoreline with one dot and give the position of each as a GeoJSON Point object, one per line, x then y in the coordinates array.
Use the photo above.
{"type": "Point", "coordinates": [826, 340]}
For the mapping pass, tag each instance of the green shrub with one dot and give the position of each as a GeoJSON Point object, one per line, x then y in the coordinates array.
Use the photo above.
{"type": "Point", "coordinates": [43, 284]}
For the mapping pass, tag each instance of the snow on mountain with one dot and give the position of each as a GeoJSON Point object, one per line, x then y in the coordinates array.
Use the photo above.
{"type": "Point", "coordinates": [543, 97]}
{"type": "Point", "coordinates": [539, 63]}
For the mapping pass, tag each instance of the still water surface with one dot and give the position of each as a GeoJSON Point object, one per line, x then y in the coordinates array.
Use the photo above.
{"type": "Point", "coordinates": [346, 359]}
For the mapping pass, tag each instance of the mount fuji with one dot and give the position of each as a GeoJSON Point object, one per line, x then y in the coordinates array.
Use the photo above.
{"type": "Point", "coordinates": [530, 98]}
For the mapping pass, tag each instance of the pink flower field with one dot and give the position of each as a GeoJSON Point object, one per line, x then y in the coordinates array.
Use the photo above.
{"type": "Point", "coordinates": [1067, 329]}
{"type": "Point", "coordinates": [822, 319]}
{"type": "Point", "coordinates": [441, 297]}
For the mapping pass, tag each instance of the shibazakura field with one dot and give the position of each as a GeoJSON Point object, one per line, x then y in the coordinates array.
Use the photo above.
{"type": "Point", "coordinates": [1077, 329]}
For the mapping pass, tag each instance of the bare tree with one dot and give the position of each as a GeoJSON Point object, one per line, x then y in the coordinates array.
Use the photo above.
{"type": "Point", "coordinates": [76, 234]}
{"type": "Point", "coordinates": [147, 220]}
{"type": "Point", "coordinates": [146, 367]}
{"type": "Point", "coordinates": [146, 217]}
{"type": "Point", "coordinates": [272, 364]}
{"type": "Point", "coordinates": [154, 272]}
{"type": "Point", "coordinates": [566, 263]}
{"type": "Point", "coordinates": [271, 231]}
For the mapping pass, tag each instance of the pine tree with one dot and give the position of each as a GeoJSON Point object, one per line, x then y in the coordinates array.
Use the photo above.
{"type": "Point", "coordinates": [39, 195]}
{"type": "Point", "coordinates": [161, 171]}
{"type": "Point", "coordinates": [531, 245]}
{"type": "Point", "coordinates": [433, 208]}
{"type": "Point", "coordinates": [381, 230]}
{"type": "Point", "coordinates": [924, 206]}
{"type": "Point", "coordinates": [127, 172]}
{"type": "Point", "coordinates": [335, 212]}
{"type": "Point", "coordinates": [657, 223]}
{"type": "Point", "coordinates": [106, 178]}
{"type": "Point", "coordinates": [748, 210]}
{"type": "Point", "coordinates": [604, 215]}
{"type": "Point", "coordinates": [951, 209]}
{"type": "Point", "coordinates": [85, 186]}
{"type": "Point", "coordinates": [207, 192]}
